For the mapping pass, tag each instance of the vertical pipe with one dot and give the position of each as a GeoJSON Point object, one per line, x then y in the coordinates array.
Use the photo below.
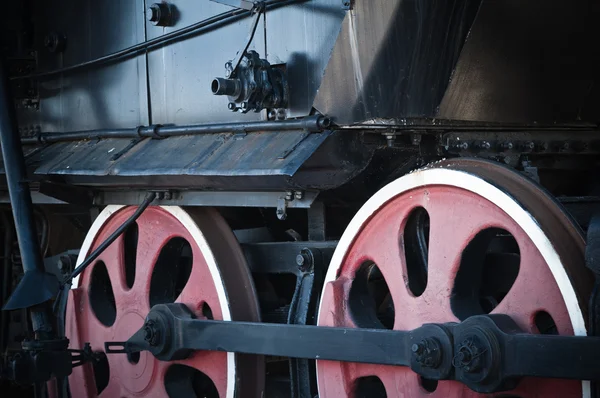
{"type": "Point", "coordinates": [6, 280]}
{"type": "Point", "coordinates": [18, 189]}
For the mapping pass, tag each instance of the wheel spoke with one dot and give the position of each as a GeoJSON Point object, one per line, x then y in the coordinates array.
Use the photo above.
{"type": "Point", "coordinates": [450, 233]}
{"type": "Point", "coordinates": [480, 258]}
{"type": "Point", "coordinates": [210, 363]}
{"type": "Point", "coordinates": [194, 296]}
{"type": "Point", "coordinates": [151, 240]}
{"type": "Point", "coordinates": [523, 301]}
{"type": "Point", "coordinates": [113, 258]}
{"type": "Point", "coordinates": [113, 389]}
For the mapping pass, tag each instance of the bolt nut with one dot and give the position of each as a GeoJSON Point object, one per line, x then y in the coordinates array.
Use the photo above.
{"type": "Point", "coordinates": [289, 195]}
{"type": "Point", "coordinates": [304, 260]}
{"type": "Point", "coordinates": [160, 14]}
{"type": "Point", "coordinates": [55, 42]}
{"type": "Point", "coordinates": [299, 195]}
{"type": "Point", "coordinates": [427, 353]}
{"type": "Point", "coordinates": [151, 333]}
{"type": "Point", "coordinates": [272, 114]}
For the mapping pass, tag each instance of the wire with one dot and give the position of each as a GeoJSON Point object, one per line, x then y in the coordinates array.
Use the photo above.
{"type": "Point", "coordinates": [60, 303]}
{"type": "Point", "coordinates": [79, 269]}
{"type": "Point", "coordinates": [212, 22]}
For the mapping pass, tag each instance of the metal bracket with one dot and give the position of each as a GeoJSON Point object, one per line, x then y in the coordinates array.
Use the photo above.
{"type": "Point", "coordinates": [232, 66]}
{"type": "Point", "coordinates": [243, 4]}
{"type": "Point", "coordinates": [282, 208]}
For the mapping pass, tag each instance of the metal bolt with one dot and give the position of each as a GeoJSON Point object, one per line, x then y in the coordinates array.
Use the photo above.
{"type": "Point", "coordinates": [468, 357]}
{"type": "Point", "coordinates": [415, 139]}
{"type": "Point", "coordinates": [507, 145]}
{"type": "Point", "coordinates": [64, 264]}
{"type": "Point", "coordinates": [151, 333]}
{"type": "Point", "coordinates": [55, 42]}
{"type": "Point", "coordinates": [460, 146]}
{"type": "Point", "coordinates": [304, 260]}
{"type": "Point", "coordinates": [529, 146]}
{"type": "Point", "coordinates": [232, 106]}
{"type": "Point", "coordinates": [160, 14]}
{"type": "Point", "coordinates": [289, 195]}
{"type": "Point", "coordinates": [272, 114]}
{"type": "Point", "coordinates": [244, 105]}
{"type": "Point", "coordinates": [281, 214]}
{"type": "Point", "coordinates": [281, 114]}
{"type": "Point", "coordinates": [299, 195]}
{"type": "Point", "coordinates": [427, 353]}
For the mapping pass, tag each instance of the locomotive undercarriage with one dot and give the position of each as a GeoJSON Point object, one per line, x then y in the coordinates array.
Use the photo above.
{"type": "Point", "coordinates": [437, 238]}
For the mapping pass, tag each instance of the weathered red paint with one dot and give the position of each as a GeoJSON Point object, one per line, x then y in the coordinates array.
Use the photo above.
{"type": "Point", "coordinates": [144, 379]}
{"type": "Point", "coordinates": [456, 216]}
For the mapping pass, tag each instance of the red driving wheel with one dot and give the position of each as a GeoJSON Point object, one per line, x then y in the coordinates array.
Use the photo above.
{"type": "Point", "coordinates": [168, 255]}
{"type": "Point", "coordinates": [456, 239]}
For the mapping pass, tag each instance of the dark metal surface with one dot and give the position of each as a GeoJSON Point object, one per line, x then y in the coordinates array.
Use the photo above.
{"type": "Point", "coordinates": [487, 353]}
{"type": "Point", "coordinates": [157, 131]}
{"type": "Point", "coordinates": [37, 286]}
{"type": "Point", "coordinates": [529, 61]}
{"type": "Point", "coordinates": [592, 259]}
{"type": "Point", "coordinates": [272, 161]}
{"type": "Point", "coordinates": [112, 97]}
{"type": "Point", "coordinates": [280, 257]}
{"type": "Point", "coordinates": [394, 58]}
{"type": "Point", "coordinates": [184, 162]}
{"type": "Point", "coordinates": [180, 75]}
{"type": "Point", "coordinates": [311, 265]}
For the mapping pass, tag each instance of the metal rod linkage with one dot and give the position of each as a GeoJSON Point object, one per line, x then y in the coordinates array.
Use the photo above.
{"type": "Point", "coordinates": [309, 123]}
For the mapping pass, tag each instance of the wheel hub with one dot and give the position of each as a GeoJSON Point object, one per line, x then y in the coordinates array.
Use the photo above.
{"type": "Point", "coordinates": [169, 255]}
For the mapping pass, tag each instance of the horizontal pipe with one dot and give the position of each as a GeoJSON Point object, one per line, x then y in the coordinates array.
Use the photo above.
{"type": "Point", "coordinates": [230, 87]}
{"type": "Point", "coordinates": [309, 123]}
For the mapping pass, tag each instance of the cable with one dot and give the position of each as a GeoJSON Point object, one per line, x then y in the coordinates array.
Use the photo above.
{"type": "Point", "coordinates": [212, 22]}
{"type": "Point", "coordinates": [60, 303]}
{"type": "Point", "coordinates": [79, 269]}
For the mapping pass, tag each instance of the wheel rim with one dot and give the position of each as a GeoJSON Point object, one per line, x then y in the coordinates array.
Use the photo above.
{"type": "Point", "coordinates": [170, 255]}
{"type": "Point", "coordinates": [460, 204]}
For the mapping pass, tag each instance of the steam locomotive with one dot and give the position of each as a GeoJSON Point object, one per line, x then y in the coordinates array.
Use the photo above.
{"type": "Point", "coordinates": [300, 198]}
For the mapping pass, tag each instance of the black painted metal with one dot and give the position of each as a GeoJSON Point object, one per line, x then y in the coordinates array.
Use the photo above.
{"type": "Point", "coordinates": [488, 353]}
{"type": "Point", "coordinates": [592, 259]}
{"type": "Point", "coordinates": [280, 257]}
{"type": "Point", "coordinates": [394, 58]}
{"type": "Point", "coordinates": [528, 61]}
{"type": "Point", "coordinates": [297, 341]}
{"type": "Point", "coordinates": [413, 59]}
{"type": "Point", "coordinates": [37, 286]}
{"type": "Point", "coordinates": [310, 123]}
{"type": "Point", "coordinates": [6, 280]}
{"type": "Point", "coordinates": [311, 266]}
{"type": "Point", "coordinates": [171, 37]}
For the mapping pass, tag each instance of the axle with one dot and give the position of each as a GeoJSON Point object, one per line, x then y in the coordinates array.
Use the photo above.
{"type": "Point", "coordinates": [488, 353]}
